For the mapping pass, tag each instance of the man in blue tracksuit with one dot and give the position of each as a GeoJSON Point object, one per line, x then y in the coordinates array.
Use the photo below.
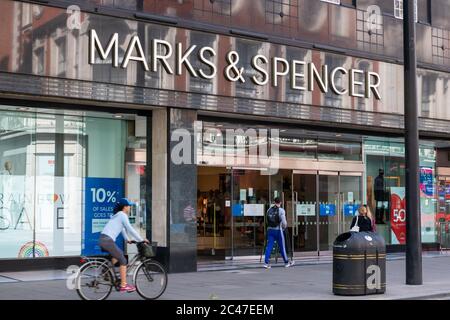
{"type": "Point", "coordinates": [276, 218]}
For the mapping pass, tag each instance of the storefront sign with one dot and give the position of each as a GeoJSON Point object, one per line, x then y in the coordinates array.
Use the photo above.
{"type": "Point", "coordinates": [39, 216]}
{"type": "Point", "coordinates": [175, 59]}
{"type": "Point", "coordinates": [351, 209]}
{"type": "Point", "coordinates": [243, 195]}
{"type": "Point", "coordinates": [398, 215]}
{"type": "Point", "coordinates": [350, 196]}
{"type": "Point", "coordinates": [306, 209]}
{"type": "Point", "coordinates": [100, 197]}
{"type": "Point", "coordinates": [426, 182]}
{"type": "Point", "coordinates": [327, 209]}
{"type": "Point", "coordinates": [238, 210]}
{"type": "Point", "coordinates": [254, 210]}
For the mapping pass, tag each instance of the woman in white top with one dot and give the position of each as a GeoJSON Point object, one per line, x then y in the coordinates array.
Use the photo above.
{"type": "Point", "coordinates": [119, 223]}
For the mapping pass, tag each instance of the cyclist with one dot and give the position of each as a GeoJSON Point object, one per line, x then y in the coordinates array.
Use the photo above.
{"type": "Point", "coordinates": [119, 223]}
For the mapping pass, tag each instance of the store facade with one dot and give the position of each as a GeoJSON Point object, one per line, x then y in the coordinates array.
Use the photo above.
{"type": "Point", "coordinates": [203, 129]}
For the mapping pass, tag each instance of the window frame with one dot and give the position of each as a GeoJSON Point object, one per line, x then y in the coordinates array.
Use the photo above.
{"type": "Point", "coordinates": [397, 10]}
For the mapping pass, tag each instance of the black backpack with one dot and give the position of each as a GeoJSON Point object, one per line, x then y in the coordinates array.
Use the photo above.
{"type": "Point", "coordinates": [273, 217]}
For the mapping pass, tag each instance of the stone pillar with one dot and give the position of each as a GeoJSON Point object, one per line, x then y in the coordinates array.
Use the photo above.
{"type": "Point", "coordinates": [174, 188]}
{"type": "Point", "coordinates": [159, 178]}
{"type": "Point", "coordinates": [182, 191]}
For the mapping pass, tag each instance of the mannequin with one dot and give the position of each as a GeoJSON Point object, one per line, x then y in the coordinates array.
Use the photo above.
{"type": "Point", "coordinates": [380, 197]}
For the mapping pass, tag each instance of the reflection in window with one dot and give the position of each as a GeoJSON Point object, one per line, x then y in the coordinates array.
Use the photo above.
{"type": "Point", "coordinates": [155, 79]}
{"type": "Point", "coordinates": [199, 84]}
{"type": "Point", "coordinates": [122, 4]}
{"type": "Point", "coordinates": [39, 60]}
{"type": "Point", "coordinates": [369, 32]}
{"type": "Point", "coordinates": [441, 43]}
{"type": "Point", "coordinates": [332, 1]}
{"type": "Point", "coordinates": [291, 143]}
{"type": "Point", "coordinates": [363, 65]}
{"type": "Point", "coordinates": [76, 64]}
{"type": "Point", "coordinates": [428, 94]}
{"type": "Point", "coordinates": [332, 99]}
{"type": "Point", "coordinates": [101, 69]}
{"type": "Point", "coordinates": [225, 141]}
{"type": "Point", "coordinates": [44, 159]}
{"type": "Point", "coordinates": [247, 50]}
{"type": "Point", "coordinates": [280, 12]}
{"type": "Point", "coordinates": [61, 54]}
{"type": "Point", "coordinates": [297, 147]}
{"type": "Point", "coordinates": [398, 9]}
{"type": "Point", "coordinates": [295, 96]}
{"type": "Point", "coordinates": [339, 150]}
{"type": "Point", "coordinates": [27, 14]}
{"type": "Point", "coordinates": [216, 7]}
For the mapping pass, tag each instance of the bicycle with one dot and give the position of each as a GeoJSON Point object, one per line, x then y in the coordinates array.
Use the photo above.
{"type": "Point", "coordinates": [97, 276]}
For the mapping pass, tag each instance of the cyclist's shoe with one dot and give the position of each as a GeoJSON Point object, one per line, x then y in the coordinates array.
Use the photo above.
{"type": "Point", "coordinates": [128, 288]}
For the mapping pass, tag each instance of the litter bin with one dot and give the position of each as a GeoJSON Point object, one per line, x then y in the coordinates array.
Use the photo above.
{"type": "Point", "coordinates": [359, 264]}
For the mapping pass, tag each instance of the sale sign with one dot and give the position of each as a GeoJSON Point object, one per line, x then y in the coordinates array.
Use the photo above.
{"type": "Point", "coordinates": [101, 194]}
{"type": "Point", "coordinates": [398, 215]}
{"type": "Point", "coordinates": [426, 182]}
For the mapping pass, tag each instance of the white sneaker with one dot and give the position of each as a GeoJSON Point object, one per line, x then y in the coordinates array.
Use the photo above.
{"type": "Point", "coordinates": [289, 264]}
{"type": "Point", "coordinates": [267, 266]}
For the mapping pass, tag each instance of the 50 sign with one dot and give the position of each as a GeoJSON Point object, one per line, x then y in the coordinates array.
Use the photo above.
{"type": "Point", "coordinates": [399, 215]}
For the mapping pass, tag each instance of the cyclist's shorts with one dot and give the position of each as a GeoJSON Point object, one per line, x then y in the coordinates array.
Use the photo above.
{"type": "Point", "coordinates": [108, 244]}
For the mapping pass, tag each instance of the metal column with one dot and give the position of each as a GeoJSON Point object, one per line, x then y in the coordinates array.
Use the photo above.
{"type": "Point", "coordinates": [413, 235]}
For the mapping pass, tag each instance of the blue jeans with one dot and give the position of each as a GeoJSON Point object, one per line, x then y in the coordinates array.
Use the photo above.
{"type": "Point", "coordinates": [278, 236]}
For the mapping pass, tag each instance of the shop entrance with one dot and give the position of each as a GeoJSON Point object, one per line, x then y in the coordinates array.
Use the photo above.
{"type": "Point", "coordinates": [232, 204]}
{"type": "Point", "coordinates": [319, 206]}
{"type": "Point", "coordinates": [443, 216]}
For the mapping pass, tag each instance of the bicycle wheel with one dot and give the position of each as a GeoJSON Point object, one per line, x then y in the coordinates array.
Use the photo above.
{"type": "Point", "coordinates": [150, 279]}
{"type": "Point", "coordinates": [94, 282]}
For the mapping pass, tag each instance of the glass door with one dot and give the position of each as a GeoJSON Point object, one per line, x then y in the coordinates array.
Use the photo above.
{"type": "Point", "coordinates": [213, 212]}
{"type": "Point", "coordinates": [339, 200]}
{"type": "Point", "coordinates": [136, 192]}
{"type": "Point", "coordinates": [280, 187]}
{"type": "Point", "coordinates": [304, 211]}
{"type": "Point", "coordinates": [351, 197]}
{"type": "Point", "coordinates": [250, 201]}
{"type": "Point", "coordinates": [329, 218]}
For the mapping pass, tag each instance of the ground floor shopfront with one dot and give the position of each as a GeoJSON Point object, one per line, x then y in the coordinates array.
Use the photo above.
{"type": "Point", "coordinates": [323, 178]}
{"type": "Point", "coordinates": [61, 172]}
{"type": "Point", "coordinates": [62, 169]}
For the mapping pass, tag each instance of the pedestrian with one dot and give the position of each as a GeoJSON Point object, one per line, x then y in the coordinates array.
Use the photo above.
{"type": "Point", "coordinates": [276, 223]}
{"type": "Point", "coordinates": [370, 216]}
{"type": "Point", "coordinates": [361, 221]}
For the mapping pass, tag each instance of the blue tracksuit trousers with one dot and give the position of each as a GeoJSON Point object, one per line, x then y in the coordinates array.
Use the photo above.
{"type": "Point", "coordinates": [278, 236]}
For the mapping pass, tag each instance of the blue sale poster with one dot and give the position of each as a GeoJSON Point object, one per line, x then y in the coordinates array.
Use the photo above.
{"type": "Point", "coordinates": [351, 209]}
{"type": "Point", "coordinates": [100, 197]}
{"type": "Point", "coordinates": [426, 182]}
{"type": "Point", "coordinates": [238, 210]}
{"type": "Point", "coordinates": [327, 209]}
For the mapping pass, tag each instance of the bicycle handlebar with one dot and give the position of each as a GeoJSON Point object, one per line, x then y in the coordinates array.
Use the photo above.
{"type": "Point", "coordinates": [136, 242]}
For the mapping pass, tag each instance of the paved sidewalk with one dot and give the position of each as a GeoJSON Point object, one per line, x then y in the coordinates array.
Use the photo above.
{"type": "Point", "coordinates": [304, 281]}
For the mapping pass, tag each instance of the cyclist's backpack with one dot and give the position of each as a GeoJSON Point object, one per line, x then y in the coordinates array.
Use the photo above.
{"type": "Point", "coordinates": [273, 217]}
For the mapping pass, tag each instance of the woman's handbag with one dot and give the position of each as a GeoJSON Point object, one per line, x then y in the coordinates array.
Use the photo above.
{"type": "Point", "coordinates": [355, 227]}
